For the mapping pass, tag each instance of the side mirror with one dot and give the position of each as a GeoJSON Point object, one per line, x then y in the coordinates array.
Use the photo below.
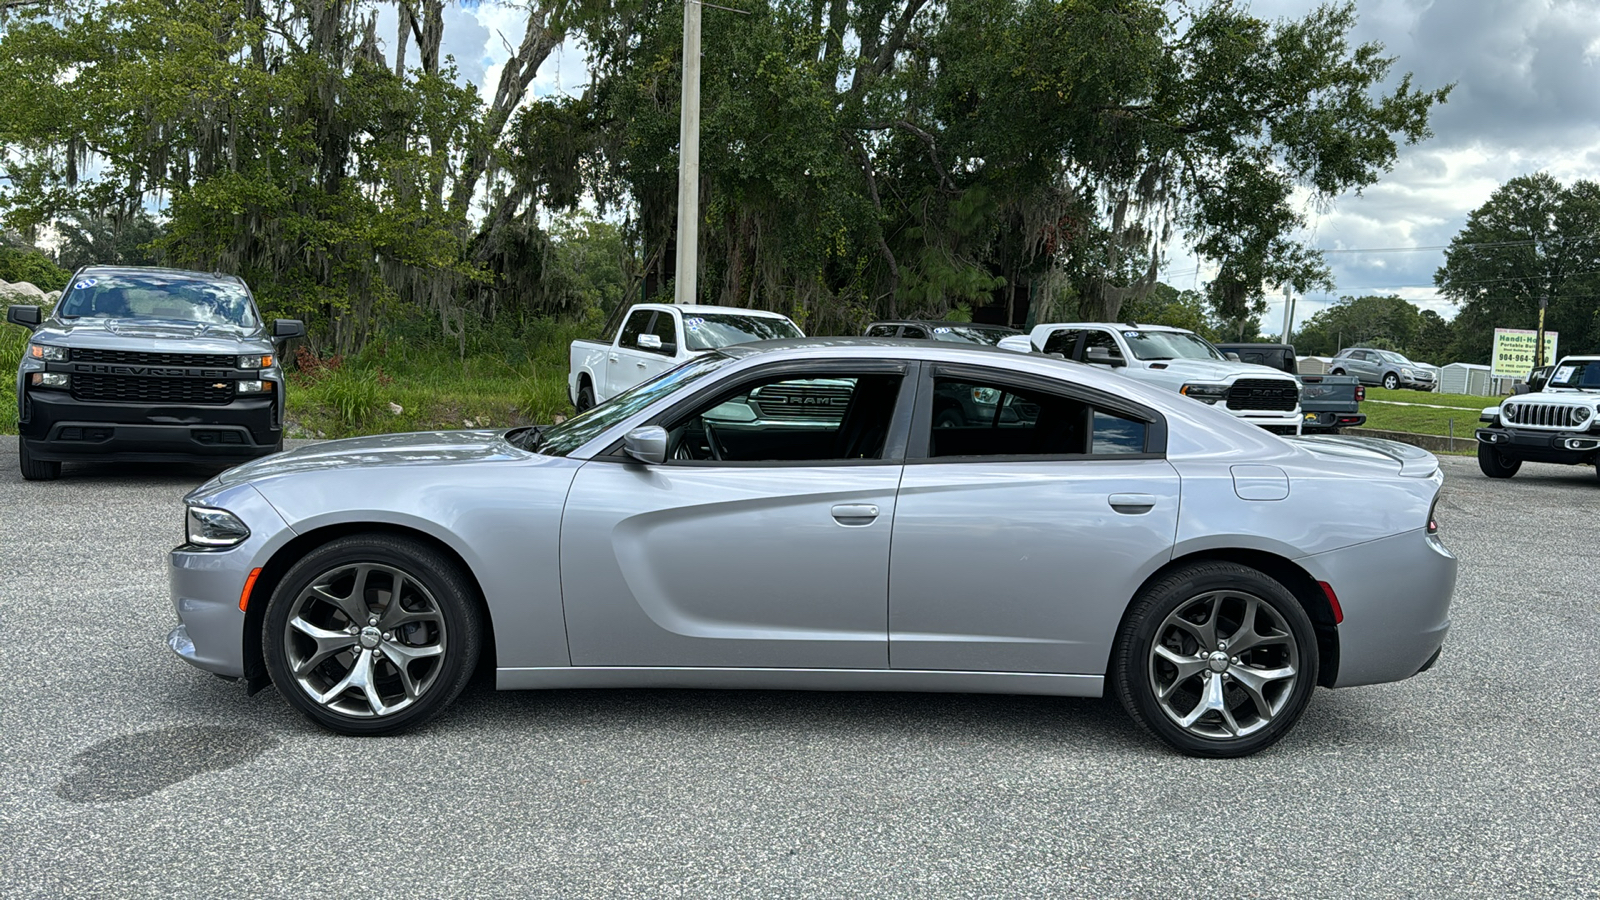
{"type": "Point", "coordinates": [1100, 356]}
{"type": "Point", "coordinates": [647, 444]}
{"type": "Point", "coordinates": [1231, 355]}
{"type": "Point", "coordinates": [1016, 343]}
{"type": "Point", "coordinates": [650, 342]}
{"type": "Point", "coordinates": [283, 329]}
{"type": "Point", "coordinates": [26, 316]}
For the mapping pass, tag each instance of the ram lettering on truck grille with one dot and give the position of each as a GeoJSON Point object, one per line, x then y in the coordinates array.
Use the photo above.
{"type": "Point", "coordinates": [1263, 394]}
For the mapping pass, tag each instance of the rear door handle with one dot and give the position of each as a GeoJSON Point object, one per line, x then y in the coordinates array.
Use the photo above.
{"type": "Point", "coordinates": [855, 513]}
{"type": "Point", "coordinates": [640, 363]}
{"type": "Point", "coordinates": [1132, 504]}
{"type": "Point", "coordinates": [613, 358]}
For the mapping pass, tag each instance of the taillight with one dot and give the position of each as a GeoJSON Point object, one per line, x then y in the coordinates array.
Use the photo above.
{"type": "Point", "coordinates": [1433, 522]}
{"type": "Point", "coordinates": [1361, 392]}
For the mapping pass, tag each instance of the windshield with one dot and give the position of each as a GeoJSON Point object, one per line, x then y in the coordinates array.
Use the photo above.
{"type": "Point", "coordinates": [159, 295]}
{"type": "Point", "coordinates": [1169, 345]}
{"type": "Point", "coordinates": [709, 331]}
{"type": "Point", "coordinates": [559, 440]}
{"type": "Point", "coordinates": [972, 334]}
{"type": "Point", "coordinates": [1576, 374]}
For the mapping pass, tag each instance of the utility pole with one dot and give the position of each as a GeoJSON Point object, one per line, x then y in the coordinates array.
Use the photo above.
{"type": "Point", "coordinates": [1538, 351]}
{"type": "Point", "coordinates": [689, 160]}
{"type": "Point", "coordinates": [1288, 314]}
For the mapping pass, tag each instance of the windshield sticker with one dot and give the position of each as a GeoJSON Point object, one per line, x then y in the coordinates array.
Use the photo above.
{"type": "Point", "coordinates": [86, 283]}
{"type": "Point", "coordinates": [941, 331]}
{"type": "Point", "coordinates": [1130, 334]}
{"type": "Point", "coordinates": [693, 324]}
{"type": "Point", "coordinates": [1564, 373]}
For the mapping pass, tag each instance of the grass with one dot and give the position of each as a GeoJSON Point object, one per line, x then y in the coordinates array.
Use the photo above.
{"type": "Point", "coordinates": [1462, 414]}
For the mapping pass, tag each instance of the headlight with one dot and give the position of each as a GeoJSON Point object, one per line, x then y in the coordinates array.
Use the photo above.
{"type": "Point", "coordinates": [253, 387]}
{"type": "Point", "coordinates": [50, 379]}
{"type": "Point", "coordinates": [47, 352]}
{"type": "Point", "coordinates": [255, 362]}
{"type": "Point", "coordinates": [207, 527]}
{"type": "Point", "coordinates": [986, 396]}
{"type": "Point", "coordinates": [1580, 415]}
{"type": "Point", "coordinates": [1205, 393]}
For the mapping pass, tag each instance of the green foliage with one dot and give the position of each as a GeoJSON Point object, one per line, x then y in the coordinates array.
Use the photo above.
{"type": "Point", "coordinates": [89, 237]}
{"type": "Point", "coordinates": [32, 266]}
{"type": "Point", "coordinates": [1532, 240]}
{"type": "Point", "coordinates": [1387, 322]}
{"type": "Point", "coordinates": [1166, 305]}
{"type": "Point", "coordinates": [13, 343]}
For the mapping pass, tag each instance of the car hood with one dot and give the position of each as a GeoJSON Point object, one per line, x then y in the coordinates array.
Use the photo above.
{"type": "Point", "coordinates": [1213, 370]}
{"type": "Point", "coordinates": [153, 336]}
{"type": "Point", "coordinates": [377, 451]}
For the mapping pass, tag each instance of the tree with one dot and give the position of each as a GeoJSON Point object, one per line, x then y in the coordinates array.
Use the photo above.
{"type": "Point", "coordinates": [1166, 305]}
{"type": "Point", "coordinates": [1386, 322]}
{"type": "Point", "coordinates": [1532, 240]}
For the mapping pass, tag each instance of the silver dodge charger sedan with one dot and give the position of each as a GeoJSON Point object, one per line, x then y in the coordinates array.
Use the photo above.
{"type": "Point", "coordinates": [798, 515]}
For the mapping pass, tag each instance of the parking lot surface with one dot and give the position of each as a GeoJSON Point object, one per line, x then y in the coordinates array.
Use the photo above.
{"type": "Point", "coordinates": [126, 773]}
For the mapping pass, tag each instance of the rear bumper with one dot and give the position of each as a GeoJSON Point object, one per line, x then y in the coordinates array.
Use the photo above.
{"type": "Point", "coordinates": [60, 428]}
{"type": "Point", "coordinates": [1542, 446]}
{"type": "Point", "coordinates": [1327, 420]}
{"type": "Point", "coordinates": [1395, 594]}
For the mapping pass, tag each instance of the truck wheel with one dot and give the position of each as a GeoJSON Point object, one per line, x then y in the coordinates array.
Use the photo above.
{"type": "Point", "coordinates": [36, 469]}
{"type": "Point", "coordinates": [1494, 464]}
{"type": "Point", "coordinates": [585, 398]}
{"type": "Point", "coordinates": [1216, 659]}
{"type": "Point", "coordinates": [1391, 382]}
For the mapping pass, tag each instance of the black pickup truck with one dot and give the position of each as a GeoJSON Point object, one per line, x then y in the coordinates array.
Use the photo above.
{"type": "Point", "coordinates": [1329, 402]}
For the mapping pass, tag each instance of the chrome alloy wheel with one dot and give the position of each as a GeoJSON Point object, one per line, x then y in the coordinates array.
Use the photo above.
{"type": "Point", "coordinates": [1223, 665]}
{"type": "Point", "coordinates": [365, 640]}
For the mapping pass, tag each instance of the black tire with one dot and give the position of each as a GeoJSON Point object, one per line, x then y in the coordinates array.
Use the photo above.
{"type": "Point", "coordinates": [437, 610]}
{"type": "Point", "coordinates": [949, 417]}
{"type": "Point", "coordinates": [36, 469]}
{"type": "Point", "coordinates": [585, 397]}
{"type": "Point", "coordinates": [1337, 372]}
{"type": "Point", "coordinates": [1391, 382]}
{"type": "Point", "coordinates": [1494, 463]}
{"type": "Point", "coordinates": [1239, 597]}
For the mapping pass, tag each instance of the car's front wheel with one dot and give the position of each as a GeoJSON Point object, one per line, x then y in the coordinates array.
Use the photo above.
{"type": "Point", "coordinates": [372, 634]}
{"type": "Point", "coordinates": [1495, 464]}
{"type": "Point", "coordinates": [1216, 659]}
{"type": "Point", "coordinates": [1391, 381]}
{"type": "Point", "coordinates": [36, 469]}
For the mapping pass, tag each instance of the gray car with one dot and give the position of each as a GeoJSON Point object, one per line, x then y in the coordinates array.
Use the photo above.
{"type": "Point", "coordinates": [1110, 537]}
{"type": "Point", "coordinates": [1383, 367]}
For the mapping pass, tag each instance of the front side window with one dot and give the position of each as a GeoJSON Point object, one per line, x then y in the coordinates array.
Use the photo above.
{"type": "Point", "coordinates": [790, 418]}
{"type": "Point", "coordinates": [1102, 340]}
{"type": "Point", "coordinates": [664, 329]}
{"type": "Point", "coordinates": [1062, 342]}
{"type": "Point", "coordinates": [160, 296]}
{"type": "Point", "coordinates": [638, 322]}
{"type": "Point", "coordinates": [974, 418]}
{"type": "Point", "coordinates": [559, 440]}
{"type": "Point", "coordinates": [708, 331]}
{"type": "Point", "coordinates": [881, 331]}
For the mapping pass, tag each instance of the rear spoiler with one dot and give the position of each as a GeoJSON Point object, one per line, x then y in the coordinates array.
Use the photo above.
{"type": "Point", "coordinates": [1415, 462]}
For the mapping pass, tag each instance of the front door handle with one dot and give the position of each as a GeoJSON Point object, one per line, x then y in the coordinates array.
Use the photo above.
{"type": "Point", "coordinates": [1132, 504]}
{"type": "Point", "coordinates": [855, 513]}
{"type": "Point", "coordinates": [640, 363]}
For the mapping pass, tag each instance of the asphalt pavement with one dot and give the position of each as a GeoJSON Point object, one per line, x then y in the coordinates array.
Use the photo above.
{"type": "Point", "coordinates": [126, 773]}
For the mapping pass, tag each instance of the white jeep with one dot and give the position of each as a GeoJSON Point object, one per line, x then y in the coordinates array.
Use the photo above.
{"type": "Point", "coordinates": [1559, 423]}
{"type": "Point", "coordinates": [1178, 360]}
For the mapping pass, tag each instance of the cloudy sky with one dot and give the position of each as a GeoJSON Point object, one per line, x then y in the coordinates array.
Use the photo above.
{"type": "Point", "coordinates": [1527, 99]}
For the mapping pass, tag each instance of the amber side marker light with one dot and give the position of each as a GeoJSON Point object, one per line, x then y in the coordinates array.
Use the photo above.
{"type": "Point", "coordinates": [249, 585]}
{"type": "Point", "coordinates": [1327, 589]}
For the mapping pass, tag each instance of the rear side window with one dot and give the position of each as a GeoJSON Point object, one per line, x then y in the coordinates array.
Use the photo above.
{"type": "Point", "coordinates": [977, 419]}
{"type": "Point", "coordinates": [881, 331]}
{"type": "Point", "coordinates": [1062, 342]}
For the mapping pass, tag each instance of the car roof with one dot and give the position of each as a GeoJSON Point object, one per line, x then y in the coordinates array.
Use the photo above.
{"type": "Point", "coordinates": [940, 323]}
{"type": "Point", "coordinates": [1116, 326]}
{"type": "Point", "coordinates": [702, 308]}
{"type": "Point", "coordinates": [159, 270]}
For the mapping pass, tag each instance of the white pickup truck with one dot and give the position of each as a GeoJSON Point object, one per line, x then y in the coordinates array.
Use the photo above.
{"type": "Point", "coordinates": [654, 337]}
{"type": "Point", "coordinates": [1178, 360]}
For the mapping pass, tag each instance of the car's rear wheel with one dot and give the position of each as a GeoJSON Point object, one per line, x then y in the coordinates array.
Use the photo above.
{"type": "Point", "coordinates": [1391, 381]}
{"type": "Point", "coordinates": [372, 634]}
{"type": "Point", "coordinates": [585, 398]}
{"type": "Point", "coordinates": [36, 469]}
{"type": "Point", "coordinates": [1216, 659]}
{"type": "Point", "coordinates": [1495, 464]}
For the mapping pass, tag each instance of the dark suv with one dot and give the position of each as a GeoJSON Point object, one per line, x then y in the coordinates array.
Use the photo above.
{"type": "Point", "coordinates": [150, 365]}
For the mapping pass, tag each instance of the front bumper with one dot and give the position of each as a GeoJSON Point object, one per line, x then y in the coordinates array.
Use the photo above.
{"type": "Point", "coordinates": [1395, 593]}
{"type": "Point", "coordinates": [1564, 447]}
{"type": "Point", "coordinates": [206, 586]}
{"type": "Point", "coordinates": [59, 427]}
